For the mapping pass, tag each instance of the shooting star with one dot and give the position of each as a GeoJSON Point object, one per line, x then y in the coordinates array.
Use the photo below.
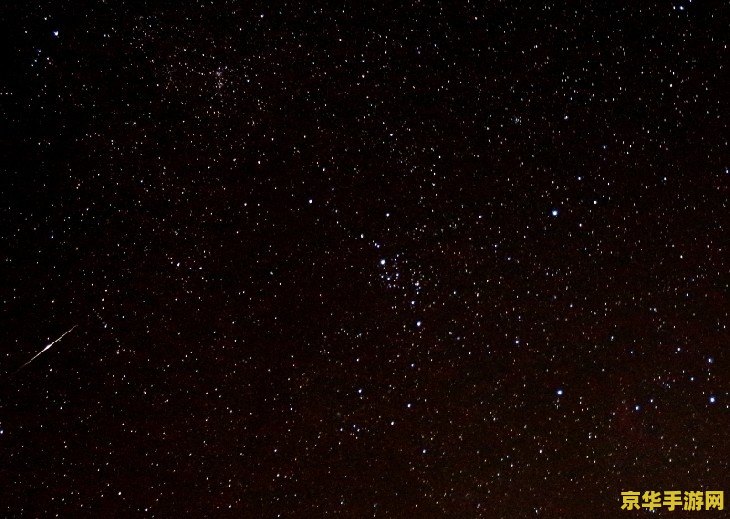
{"type": "Point", "coordinates": [48, 347]}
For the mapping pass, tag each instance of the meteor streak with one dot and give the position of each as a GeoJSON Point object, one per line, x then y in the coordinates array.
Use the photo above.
{"type": "Point", "coordinates": [48, 347]}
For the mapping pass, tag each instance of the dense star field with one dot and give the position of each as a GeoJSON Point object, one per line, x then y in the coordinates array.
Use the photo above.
{"type": "Point", "coordinates": [425, 259]}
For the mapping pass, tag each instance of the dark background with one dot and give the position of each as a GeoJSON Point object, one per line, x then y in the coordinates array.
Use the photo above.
{"type": "Point", "coordinates": [414, 260]}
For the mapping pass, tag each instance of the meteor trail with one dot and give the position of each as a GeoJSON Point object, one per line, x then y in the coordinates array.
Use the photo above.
{"type": "Point", "coordinates": [48, 347]}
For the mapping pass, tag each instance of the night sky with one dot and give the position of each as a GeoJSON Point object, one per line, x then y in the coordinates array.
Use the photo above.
{"type": "Point", "coordinates": [419, 259]}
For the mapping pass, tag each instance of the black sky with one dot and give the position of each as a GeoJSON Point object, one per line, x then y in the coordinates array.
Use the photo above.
{"type": "Point", "coordinates": [425, 259]}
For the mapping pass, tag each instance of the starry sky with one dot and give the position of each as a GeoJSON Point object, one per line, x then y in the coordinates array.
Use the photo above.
{"type": "Point", "coordinates": [418, 259]}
